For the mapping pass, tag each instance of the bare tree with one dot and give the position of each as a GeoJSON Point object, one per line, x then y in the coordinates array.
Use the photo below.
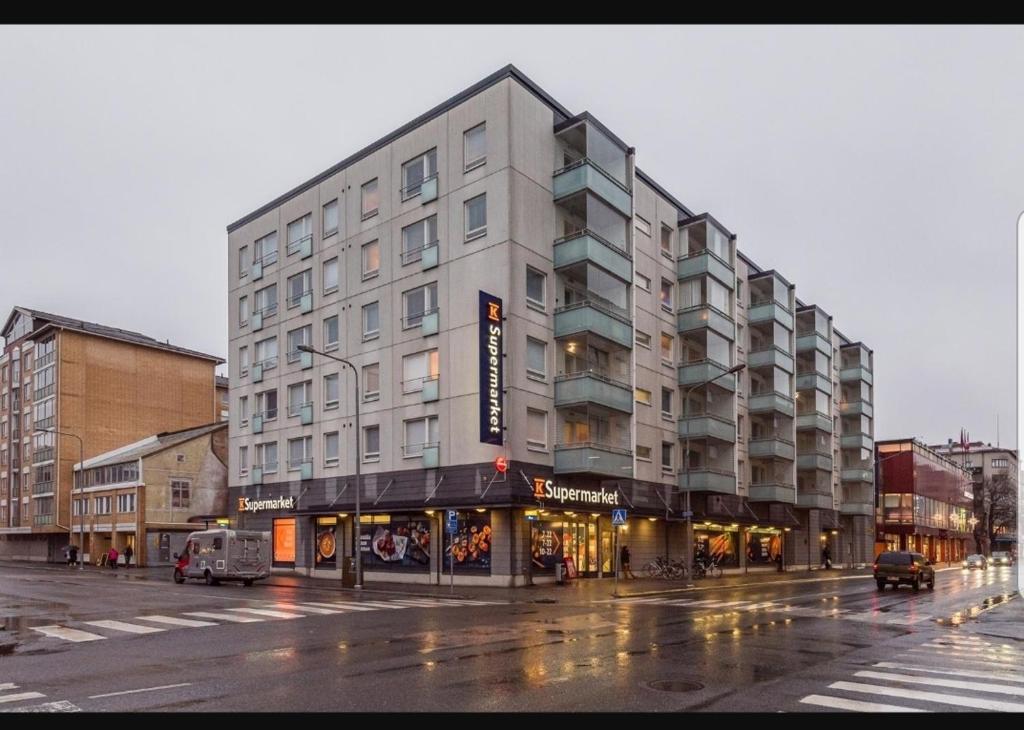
{"type": "Point", "coordinates": [995, 506]}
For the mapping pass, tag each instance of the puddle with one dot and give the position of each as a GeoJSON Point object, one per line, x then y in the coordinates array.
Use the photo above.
{"type": "Point", "coordinates": [966, 614]}
{"type": "Point", "coordinates": [675, 685]}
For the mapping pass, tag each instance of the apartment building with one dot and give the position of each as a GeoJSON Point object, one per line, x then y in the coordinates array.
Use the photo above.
{"type": "Point", "coordinates": [63, 380]}
{"type": "Point", "coordinates": [534, 323]}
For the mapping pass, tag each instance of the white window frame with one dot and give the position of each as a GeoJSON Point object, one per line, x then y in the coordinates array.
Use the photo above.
{"type": "Point", "coordinates": [429, 160]}
{"type": "Point", "coordinates": [540, 304]}
{"type": "Point", "coordinates": [323, 275]}
{"type": "Point", "coordinates": [336, 459]}
{"type": "Point", "coordinates": [307, 339]}
{"type": "Point", "coordinates": [327, 232]}
{"type": "Point", "coordinates": [369, 273]}
{"type": "Point", "coordinates": [177, 483]}
{"type": "Point", "coordinates": [307, 452]}
{"type": "Point", "coordinates": [430, 358]}
{"type": "Point", "coordinates": [375, 333]}
{"type": "Point", "coordinates": [429, 228]}
{"type": "Point", "coordinates": [295, 409]}
{"type": "Point", "coordinates": [531, 373]}
{"type": "Point", "coordinates": [364, 213]}
{"type": "Point", "coordinates": [305, 278]}
{"type": "Point", "coordinates": [243, 264]}
{"type": "Point", "coordinates": [259, 252]}
{"type": "Point", "coordinates": [243, 311]}
{"type": "Point", "coordinates": [471, 164]}
{"type": "Point", "coordinates": [642, 339]}
{"type": "Point", "coordinates": [370, 395]}
{"type": "Point", "coordinates": [535, 445]}
{"type": "Point", "coordinates": [666, 252]}
{"type": "Point", "coordinates": [304, 224]}
{"type": "Point", "coordinates": [643, 449]}
{"type": "Point", "coordinates": [328, 403]}
{"type": "Point", "coordinates": [371, 456]}
{"type": "Point", "coordinates": [126, 502]}
{"type": "Point", "coordinates": [430, 423]}
{"type": "Point", "coordinates": [330, 345]}
{"type": "Point", "coordinates": [642, 225]}
{"type": "Point", "coordinates": [243, 461]}
{"type": "Point", "coordinates": [430, 296]}
{"type": "Point", "coordinates": [262, 454]}
{"type": "Point", "coordinates": [671, 294]}
{"type": "Point", "coordinates": [642, 282]}
{"type": "Point", "coordinates": [479, 231]}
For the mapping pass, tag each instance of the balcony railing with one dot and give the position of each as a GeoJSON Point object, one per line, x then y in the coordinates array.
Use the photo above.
{"type": "Point", "coordinates": [707, 479]}
{"type": "Point", "coordinates": [702, 371]}
{"type": "Point", "coordinates": [41, 455]}
{"type": "Point", "coordinates": [44, 392]}
{"type": "Point", "coordinates": [707, 425]}
{"type": "Point", "coordinates": [596, 316]}
{"type": "Point", "coordinates": [426, 188]}
{"type": "Point", "coordinates": [586, 174]}
{"type": "Point", "coordinates": [706, 262]}
{"type": "Point", "coordinates": [773, 491]}
{"type": "Point", "coordinates": [703, 316]}
{"type": "Point", "coordinates": [593, 457]}
{"type": "Point", "coordinates": [304, 244]}
{"type": "Point", "coordinates": [587, 246]}
{"type": "Point", "coordinates": [593, 387]}
{"type": "Point", "coordinates": [39, 488]}
{"type": "Point", "coordinates": [40, 520]}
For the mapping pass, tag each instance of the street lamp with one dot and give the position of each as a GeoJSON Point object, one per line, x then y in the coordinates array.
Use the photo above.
{"type": "Point", "coordinates": [686, 458]}
{"type": "Point", "coordinates": [357, 525]}
{"type": "Point", "coordinates": [71, 495]}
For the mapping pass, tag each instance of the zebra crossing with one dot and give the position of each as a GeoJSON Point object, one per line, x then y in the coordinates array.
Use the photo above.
{"type": "Point", "coordinates": [942, 674]}
{"type": "Point", "coordinates": [877, 614]}
{"type": "Point", "coordinates": [100, 629]}
{"type": "Point", "coordinates": [16, 699]}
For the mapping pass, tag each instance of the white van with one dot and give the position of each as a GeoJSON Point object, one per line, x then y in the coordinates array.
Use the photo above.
{"type": "Point", "coordinates": [216, 555]}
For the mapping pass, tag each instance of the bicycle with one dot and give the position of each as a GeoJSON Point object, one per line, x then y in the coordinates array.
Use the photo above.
{"type": "Point", "coordinates": [661, 567]}
{"type": "Point", "coordinates": [702, 568]}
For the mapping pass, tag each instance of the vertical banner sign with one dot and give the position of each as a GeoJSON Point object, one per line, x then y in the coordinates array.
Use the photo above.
{"type": "Point", "coordinates": [492, 406]}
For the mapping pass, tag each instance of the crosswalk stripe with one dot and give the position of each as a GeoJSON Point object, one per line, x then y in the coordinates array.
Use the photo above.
{"type": "Point", "coordinates": [1001, 666]}
{"type": "Point", "coordinates": [956, 653]}
{"type": "Point", "coordinates": [124, 626]}
{"type": "Point", "coordinates": [909, 620]}
{"type": "Point", "coordinates": [953, 672]}
{"type": "Point", "coordinates": [304, 607]}
{"type": "Point", "coordinates": [986, 650]}
{"type": "Point", "coordinates": [423, 602]}
{"type": "Point", "coordinates": [225, 617]}
{"type": "Point", "coordinates": [58, 706]}
{"type": "Point", "coordinates": [841, 703]}
{"type": "Point", "coordinates": [68, 634]}
{"type": "Point", "coordinates": [21, 696]}
{"type": "Point", "coordinates": [174, 621]}
{"type": "Point", "coordinates": [386, 604]}
{"type": "Point", "coordinates": [946, 699]}
{"type": "Point", "coordinates": [353, 606]}
{"type": "Point", "coordinates": [951, 683]}
{"type": "Point", "coordinates": [7, 685]}
{"type": "Point", "coordinates": [266, 612]}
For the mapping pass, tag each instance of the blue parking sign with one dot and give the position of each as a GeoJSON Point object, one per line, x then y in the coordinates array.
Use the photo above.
{"type": "Point", "coordinates": [618, 517]}
{"type": "Point", "coordinates": [451, 523]}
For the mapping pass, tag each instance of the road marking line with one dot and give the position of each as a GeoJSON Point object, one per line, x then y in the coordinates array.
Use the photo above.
{"type": "Point", "coordinates": [21, 696]}
{"type": "Point", "coordinates": [980, 650]}
{"type": "Point", "coordinates": [909, 621]}
{"type": "Point", "coordinates": [759, 606]}
{"type": "Point", "coordinates": [267, 612]}
{"type": "Point", "coordinates": [959, 654]}
{"type": "Point", "coordinates": [63, 632]}
{"type": "Point", "coordinates": [841, 703]}
{"type": "Point", "coordinates": [397, 604]}
{"type": "Point", "coordinates": [124, 626]}
{"type": "Point", "coordinates": [954, 672]}
{"type": "Point", "coordinates": [8, 685]}
{"type": "Point", "coordinates": [353, 606]}
{"type": "Point", "coordinates": [421, 602]}
{"type": "Point", "coordinates": [679, 602]}
{"type": "Point", "coordinates": [174, 621]}
{"type": "Point", "coordinates": [913, 694]}
{"type": "Point", "coordinates": [303, 607]}
{"type": "Point", "coordinates": [136, 691]}
{"type": "Point", "coordinates": [951, 683]}
{"type": "Point", "coordinates": [960, 660]}
{"type": "Point", "coordinates": [59, 706]}
{"type": "Point", "coordinates": [225, 617]}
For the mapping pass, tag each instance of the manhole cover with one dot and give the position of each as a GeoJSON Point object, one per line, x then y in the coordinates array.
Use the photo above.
{"type": "Point", "coordinates": [675, 685]}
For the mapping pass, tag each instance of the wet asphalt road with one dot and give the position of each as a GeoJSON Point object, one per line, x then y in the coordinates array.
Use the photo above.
{"type": "Point", "coordinates": [266, 648]}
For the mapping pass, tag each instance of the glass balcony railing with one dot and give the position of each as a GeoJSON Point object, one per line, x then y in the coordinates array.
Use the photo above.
{"type": "Point", "coordinates": [706, 316]}
{"type": "Point", "coordinates": [586, 246]}
{"type": "Point", "coordinates": [594, 317]}
{"type": "Point", "coordinates": [590, 387]}
{"type": "Point", "coordinates": [593, 458]}
{"type": "Point", "coordinates": [769, 310]}
{"type": "Point", "coordinates": [706, 262]}
{"type": "Point", "coordinates": [767, 402]}
{"type": "Point", "coordinates": [770, 357]}
{"type": "Point", "coordinates": [771, 448]}
{"type": "Point", "coordinates": [773, 492]}
{"type": "Point", "coordinates": [708, 425]}
{"type": "Point", "coordinates": [701, 371]}
{"type": "Point", "coordinates": [704, 479]}
{"type": "Point", "coordinates": [586, 175]}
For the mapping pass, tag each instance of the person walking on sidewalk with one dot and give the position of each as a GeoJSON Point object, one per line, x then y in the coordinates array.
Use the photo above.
{"type": "Point", "coordinates": [112, 557]}
{"type": "Point", "coordinates": [826, 557]}
{"type": "Point", "coordinates": [72, 555]}
{"type": "Point", "coordinates": [128, 552]}
{"type": "Point", "coordinates": [624, 559]}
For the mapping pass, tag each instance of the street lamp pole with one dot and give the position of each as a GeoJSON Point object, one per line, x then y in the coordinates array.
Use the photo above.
{"type": "Point", "coordinates": [686, 460]}
{"type": "Point", "coordinates": [357, 525]}
{"type": "Point", "coordinates": [71, 496]}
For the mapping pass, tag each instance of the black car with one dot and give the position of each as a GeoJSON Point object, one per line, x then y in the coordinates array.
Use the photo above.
{"type": "Point", "coordinates": [906, 567]}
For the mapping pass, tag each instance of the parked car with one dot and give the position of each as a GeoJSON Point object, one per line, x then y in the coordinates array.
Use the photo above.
{"type": "Point", "coordinates": [975, 561]}
{"type": "Point", "coordinates": [216, 555]}
{"type": "Point", "coordinates": [1001, 558]}
{"type": "Point", "coordinates": [902, 566]}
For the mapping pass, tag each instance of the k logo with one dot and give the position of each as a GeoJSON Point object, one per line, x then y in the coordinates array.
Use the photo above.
{"type": "Point", "coordinates": [538, 487]}
{"type": "Point", "coordinates": [241, 504]}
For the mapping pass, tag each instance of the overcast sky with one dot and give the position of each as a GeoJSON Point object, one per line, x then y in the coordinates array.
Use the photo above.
{"type": "Point", "coordinates": [878, 169]}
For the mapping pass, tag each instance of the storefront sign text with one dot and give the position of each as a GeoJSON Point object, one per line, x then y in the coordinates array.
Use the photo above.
{"type": "Point", "coordinates": [491, 379]}
{"type": "Point", "coordinates": [261, 505]}
{"type": "Point", "coordinates": [546, 489]}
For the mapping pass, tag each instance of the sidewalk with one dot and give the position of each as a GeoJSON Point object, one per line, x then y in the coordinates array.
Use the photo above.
{"type": "Point", "coordinates": [579, 591]}
{"type": "Point", "coordinates": [1005, 619]}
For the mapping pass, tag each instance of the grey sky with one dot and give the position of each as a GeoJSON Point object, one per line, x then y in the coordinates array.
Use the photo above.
{"type": "Point", "coordinates": [879, 169]}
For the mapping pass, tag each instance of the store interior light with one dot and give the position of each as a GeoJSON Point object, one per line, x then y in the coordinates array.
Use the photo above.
{"type": "Point", "coordinates": [707, 524]}
{"type": "Point", "coordinates": [787, 529]}
{"type": "Point", "coordinates": [653, 519]}
{"type": "Point", "coordinates": [835, 532]}
{"type": "Point", "coordinates": [430, 512]}
{"type": "Point", "coordinates": [481, 509]}
{"type": "Point", "coordinates": [343, 514]}
{"type": "Point", "coordinates": [734, 525]}
{"type": "Point", "coordinates": [595, 514]}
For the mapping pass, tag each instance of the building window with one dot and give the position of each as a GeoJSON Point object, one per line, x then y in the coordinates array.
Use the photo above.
{"type": "Point", "coordinates": [417, 171]}
{"type": "Point", "coordinates": [643, 453]}
{"type": "Point", "coordinates": [371, 259]}
{"type": "Point", "coordinates": [642, 225]}
{"type": "Point", "coordinates": [642, 281]}
{"type": "Point", "coordinates": [370, 198]}
{"type": "Point", "coordinates": [243, 460]}
{"type": "Point", "coordinates": [330, 218]}
{"type": "Point", "coordinates": [536, 358]}
{"type": "Point", "coordinates": [299, 231]}
{"type": "Point", "coordinates": [77, 509]}
{"type": "Point", "coordinates": [330, 276]}
{"type": "Point", "coordinates": [418, 369]}
{"type": "Point", "coordinates": [474, 147]}
{"type": "Point", "coordinates": [296, 337]}
{"type": "Point", "coordinates": [666, 402]}
{"type": "Point", "coordinates": [371, 443]}
{"type": "Point", "coordinates": [416, 237]}
{"type": "Point", "coordinates": [331, 391]}
{"type": "Point", "coordinates": [126, 503]}
{"type": "Point", "coordinates": [420, 433]}
{"type": "Point", "coordinates": [666, 349]}
{"type": "Point", "coordinates": [265, 301]}
{"type": "Point", "coordinates": [666, 456]}
{"type": "Point", "coordinates": [181, 489]}
{"type": "Point", "coordinates": [102, 505]}
{"type": "Point", "coordinates": [298, 286]}
{"type": "Point", "coordinates": [666, 241]}
{"type": "Point", "coordinates": [300, 451]}
{"type": "Point", "coordinates": [371, 320]}
{"type": "Point", "coordinates": [243, 262]}
{"type": "Point", "coordinates": [331, 449]}
{"type": "Point", "coordinates": [299, 395]}
{"type": "Point", "coordinates": [331, 333]}
{"type": "Point", "coordinates": [643, 339]}
{"type": "Point", "coordinates": [535, 287]}
{"type": "Point", "coordinates": [666, 295]}
{"type": "Point", "coordinates": [243, 411]}
{"type": "Point", "coordinates": [266, 454]}
{"type": "Point", "coordinates": [243, 361]}
{"type": "Point", "coordinates": [371, 381]}
{"type": "Point", "coordinates": [419, 302]}
{"type": "Point", "coordinates": [266, 404]}
{"type": "Point", "coordinates": [642, 396]}
{"type": "Point", "coordinates": [1000, 463]}
{"type": "Point", "coordinates": [243, 311]}
{"type": "Point", "coordinates": [264, 250]}
{"type": "Point", "coordinates": [536, 429]}
{"type": "Point", "coordinates": [476, 217]}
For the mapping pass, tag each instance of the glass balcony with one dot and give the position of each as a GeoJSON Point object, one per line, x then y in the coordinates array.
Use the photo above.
{"type": "Point", "coordinates": [431, 322]}
{"type": "Point", "coordinates": [813, 500]}
{"type": "Point", "coordinates": [772, 492]}
{"type": "Point", "coordinates": [594, 317]}
{"type": "Point", "coordinates": [770, 357]}
{"type": "Point", "coordinates": [813, 380]}
{"type": "Point", "coordinates": [257, 372]}
{"type": "Point", "coordinates": [772, 448]}
{"type": "Point", "coordinates": [593, 458]}
{"type": "Point", "coordinates": [586, 175]}
{"type": "Point", "coordinates": [856, 441]}
{"type": "Point", "coordinates": [431, 389]}
{"type": "Point", "coordinates": [256, 321]}
{"type": "Point", "coordinates": [867, 509]}
{"type": "Point", "coordinates": [813, 341]}
{"type": "Point", "coordinates": [306, 470]}
{"type": "Point", "coordinates": [767, 402]}
{"type": "Point", "coordinates": [306, 414]}
{"type": "Point", "coordinates": [856, 408]}
{"type": "Point", "coordinates": [770, 311]}
{"type": "Point", "coordinates": [856, 373]}
{"type": "Point", "coordinates": [694, 373]}
{"type": "Point", "coordinates": [431, 456]}
{"type": "Point", "coordinates": [819, 461]}
{"type": "Point", "coordinates": [701, 316]}
{"type": "Point", "coordinates": [708, 426]}
{"type": "Point", "coordinates": [257, 423]}
{"type": "Point", "coordinates": [428, 189]}
{"type": "Point", "coordinates": [256, 474]}
{"type": "Point", "coordinates": [706, 262]}
{"type": "Point", "coordinates": [429, 256]}
{"type": "Point", "coordinates": [587, 246]}
{"type": "Point", "coordinates": [593, 160]}
{"type": "Point", "coordinates": [590, 387]}
{"type": "Point", "coordinates": [818, 421]}
{"type": "Point", "coordinates": [257, 270]}
{"type": "Point", "coordinates": [708, 480]}
{"type": "Point", "coordinates": [42, 488]}
{"type": "Point", "coordinates": [858, 471]}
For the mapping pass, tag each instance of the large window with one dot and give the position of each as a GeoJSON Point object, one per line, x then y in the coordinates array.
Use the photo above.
{"type": "Point", "coordinates": [299, 395]}
{"type": "Point", "coordinates": [265, 249]}
{"type": "Point", "coordinates": [476, 217]}
{"type": "Point", "coordinates": [266, 455]}
{"type": "Point", "coordinates": [420, 433]}
{"type": "Point", "coordinates": [666, 294]}
{"type": "Point", "coordinates": [666, 348]}
{"type": "Point", "coordinates": [416, 171]}
{"type": "Point", "coordinates": [330, 218]}
{"type": "Point", "coordinates": [284, 542]}
{"type": "Point", "coordinates": [371, 443]}
{"type": "Point", "coordinates": [331, 391]}
{"type": "Point", "coordinates": [243, 361]}
{"type": "Point", "coordinates": [296, 337]}
{"type": "Point", "coordinates": [535, 287]}
{"type": "Point", "coordinates": [419, 302]}
{"type": "Point", "coordinates": [371, 381]}
{"type": "Point", "coordinates": [243, 311]}
{"type": "Point", "coordinates": [331, 449]}
{"type": "Point", "coordinates": [126, 502]}
{"type": "Point", "coordinates": [330, 275]}
{"type": "Point", "coordinates": [102, 505]}
{"type": "Point", "coordinates": [371, 259]}
{"type": "Point", "coordinates": [705, 290]}
{"type": "Point", "coordinates": [419, 368]}
{"type": "Point", "coordinates": [298, 286]}
{"type": "Point", "coordinates": [181, 492]}
{"type": "Point", "coordinates": [265, 300]}
{"type": "Point", "coordinates": [266, 404]}
{"type": "Point", "coordinates": [370, 199]}
{"type": "Point", "coordinates": [474, 147]}
{"type": "Point", "coordinates": [331, 333]}
{"type": "Point", "coordinates": [371, 320]}
{"type": "Point", "coordinates": [536, 358]}
{"type": "Point", "coordinates": [300, 451]}
{"type": "Point", "coordinates": [666, 241]}
{"type": "Point", "coordinates": [536, 428]}
{"type": "Point", "coordinates": [416, 237]}
{"type": "Point", "coordinates": [299, 231]}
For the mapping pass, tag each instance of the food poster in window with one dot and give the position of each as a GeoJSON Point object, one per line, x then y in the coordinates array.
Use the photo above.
{"type": "Point", "coordinates": [763, 547]}
{"type": "Point", "coordinates": [403, 544]}
{"type": "Point", "coordinates": [545, 545]}
{"type": "Point", "coordinates": [719, 545]}
{"type": "Point", "coordinates": [471, 547]}
{"type": "Point", "coordinates": [326, 555]}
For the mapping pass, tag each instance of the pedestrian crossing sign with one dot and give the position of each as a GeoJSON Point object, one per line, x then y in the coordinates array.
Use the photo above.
{"type": "Point", "coordinates": [618, 517]}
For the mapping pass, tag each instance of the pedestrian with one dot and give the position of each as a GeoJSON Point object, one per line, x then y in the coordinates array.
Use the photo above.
{"type": "Point", "coordinates": [778, 560]}
{"type": "Point", "coordinates": [826, 557]}
{"type": "Point", "coordinates": [128, 552]}
{"type": "Point", "coordinates": [624, 559]}
{"type": "Point", "coordinates": [112, 557]}
{"type": "Point", "coordinates": [72, 555]}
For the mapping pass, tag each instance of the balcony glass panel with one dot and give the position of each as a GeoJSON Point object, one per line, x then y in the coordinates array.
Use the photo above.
{"type": "Point", "coordinates": [702, 236]}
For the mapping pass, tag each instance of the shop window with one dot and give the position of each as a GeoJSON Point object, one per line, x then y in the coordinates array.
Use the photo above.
{"type": "Point", "coordinates": [284, 542]}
